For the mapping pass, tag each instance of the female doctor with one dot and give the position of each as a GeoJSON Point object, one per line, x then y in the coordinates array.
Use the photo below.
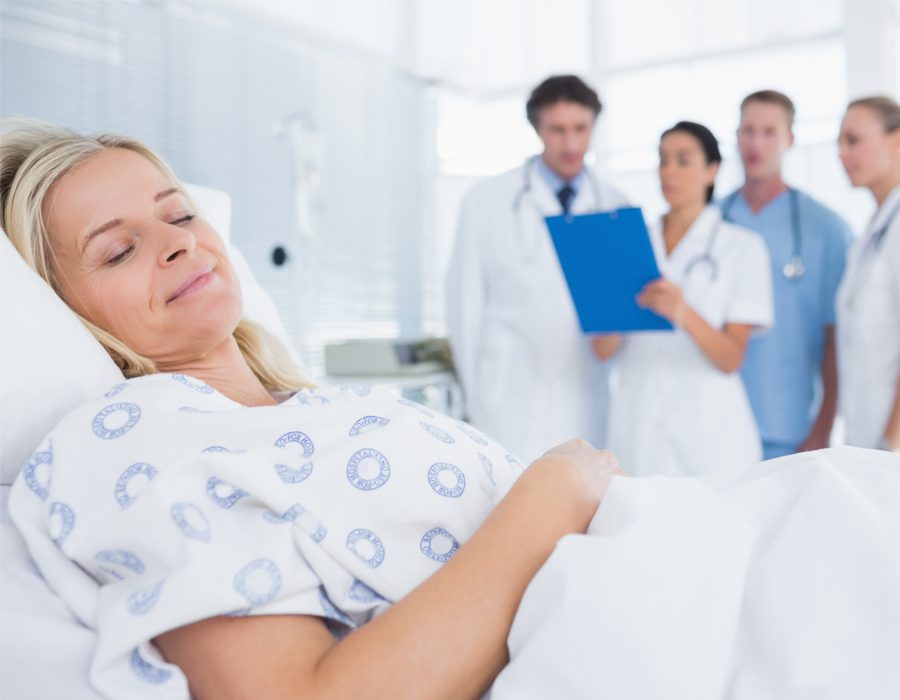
{"type": "Point", "coordinates": [678, 406]}
{"type": "Point", "coordinates": [528, 372]}
{"type": "Point", "coordinates": [868, 304]}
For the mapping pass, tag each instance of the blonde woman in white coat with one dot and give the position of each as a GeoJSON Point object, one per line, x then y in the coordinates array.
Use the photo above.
{"type": "Point", "coordinates": [868, 304]}
{"type": "Point", "coordinates": [678, 406]}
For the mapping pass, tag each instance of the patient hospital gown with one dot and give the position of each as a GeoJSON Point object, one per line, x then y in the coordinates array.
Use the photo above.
{"type": "Point", "coordinates": [165, 502]}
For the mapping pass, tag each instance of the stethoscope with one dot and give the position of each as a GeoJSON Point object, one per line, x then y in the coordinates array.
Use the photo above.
{"type": "Point", "coordinates": [706, 257]}
{"type": "Point", "coordinates": [525, 190]}
{"type": "Point", "coordinates": [794, 268]}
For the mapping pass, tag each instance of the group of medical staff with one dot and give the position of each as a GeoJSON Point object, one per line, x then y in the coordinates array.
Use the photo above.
{"type": "Point", "coordinates": [777, 313]}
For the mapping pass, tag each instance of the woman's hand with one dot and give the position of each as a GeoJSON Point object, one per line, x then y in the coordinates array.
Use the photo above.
{"type": "Point", "coordinates": [664, 298]}
{"type": "Point", "coordinates": [593, 469]}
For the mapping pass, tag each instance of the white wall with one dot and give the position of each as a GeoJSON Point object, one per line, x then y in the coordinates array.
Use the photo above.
{"type": "Point", "coordinates": [320, 142]}
{"type": "Point", "coordinates": [349, 130]}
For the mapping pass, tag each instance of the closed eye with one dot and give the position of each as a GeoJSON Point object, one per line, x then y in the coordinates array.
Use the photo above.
{"type": "Point", "coordinates": [120, 257]}
{"type": "Point", "coordinates": [184, 220]}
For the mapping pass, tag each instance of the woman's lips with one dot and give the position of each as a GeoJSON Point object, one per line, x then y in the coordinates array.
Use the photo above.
{"type": "Point", "coordinates": [194, 283]}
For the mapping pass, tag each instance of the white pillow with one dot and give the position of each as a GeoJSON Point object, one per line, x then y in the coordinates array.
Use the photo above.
{"type": "Point", "coordinates": [50, 363]}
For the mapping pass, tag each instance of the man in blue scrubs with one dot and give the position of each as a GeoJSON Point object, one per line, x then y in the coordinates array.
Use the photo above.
{"type": "Point", "coordinates": [790, 371]}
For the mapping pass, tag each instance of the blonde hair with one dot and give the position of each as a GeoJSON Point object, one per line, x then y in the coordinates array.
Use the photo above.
{"type": "Point", "coordinates": [34, 155]}
{"type": "Point", "coordinates": [886, 108]}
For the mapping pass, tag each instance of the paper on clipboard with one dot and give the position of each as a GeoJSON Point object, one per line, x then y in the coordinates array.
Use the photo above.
{"type": "Point", "coordinates": [607, 259]}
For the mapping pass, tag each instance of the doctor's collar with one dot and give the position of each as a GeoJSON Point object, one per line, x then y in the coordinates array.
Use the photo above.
{"type": "Point", "coordinates": [553, 179]}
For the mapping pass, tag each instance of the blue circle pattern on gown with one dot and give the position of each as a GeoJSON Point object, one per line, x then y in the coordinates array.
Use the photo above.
{"type": "Point", "coordinates": [488, 467]}
{"type": "Point", "coordinates": [438, 433]}
{"type": "Point", "coordinates": [99, 423]}
{"type": "Point", "coordinates": [377, 481]}
{"type": "Point", "coordinates": [213, 490]}
{"type": "Point", "coordinates": [472, 435]}
{"type": "Point", "coordinates": [115, 390]}
{"type": "Point", "coordinates": [180, 512]}
{"type": "Point", "coordinates": [146, 671]}
{"type": "Point", "coordinates": [311, 399]}
{"type": "Point", "coordinates": [123, 498]}
{"type": "Point", "coordinates": [515, 463]}
{"type": "Point", "coordinates": [256, 595]}
{"type": "Point", "coordinates": [66, 516]}
{"type": "Point", "coordinates": [142, 601]}
{"type": "Point", "coordinates": [367, 423]}
{"type": "Point", "coordinates": [310, 525]}
{"type": "Point", "coordinates": [194, 384]}
{"type": "Point", "coordinates": [295, 437]}
{"type": "Point", "coordinates": [215, 448]}
{"type": "Point", "coordinates": [428, 538]}
{"type": "Point", "coordinates": [289, 475]}
{"type": "Point", "coordinates": [293, 515]}
{"type": "Point", "coordinates": [41, 487]}
{"type": "Point", "coordinates": [287, 517]}
{"type": "Point", "coordinates": [362, 534]}
{"type": "Point", "coordinates": [361, 593]}
{"type": "Point", "coordinates": [260, 581]}
{"type": "Point", "coordinates": [122, 558]}
{"type": "Point", "coordinates": [434, 481]}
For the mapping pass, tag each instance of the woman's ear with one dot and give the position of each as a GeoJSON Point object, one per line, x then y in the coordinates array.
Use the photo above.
{"type": "Point", "coordinates": [894, 144]}
{"type": "Point", "coordinates": [712, 170]}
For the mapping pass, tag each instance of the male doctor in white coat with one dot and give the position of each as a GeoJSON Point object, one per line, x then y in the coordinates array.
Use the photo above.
{"type": "Point", "coordinates": [529, 376]}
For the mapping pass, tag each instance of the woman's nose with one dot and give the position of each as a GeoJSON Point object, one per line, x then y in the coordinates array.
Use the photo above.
{"type": "Point", "coordinates": [176, 241]}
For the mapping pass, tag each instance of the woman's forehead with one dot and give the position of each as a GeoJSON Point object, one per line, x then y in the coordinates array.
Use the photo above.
{"type": "Point", "coordinates": [115, 183]}
{"type": "Point", "coordinates": [863, 116]}
{"type": "Point", "coordinates": [112, 170]}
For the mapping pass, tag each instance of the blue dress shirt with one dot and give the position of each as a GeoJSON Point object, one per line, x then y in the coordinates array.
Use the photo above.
{"type": "Point", "coordinates": [556, 183]}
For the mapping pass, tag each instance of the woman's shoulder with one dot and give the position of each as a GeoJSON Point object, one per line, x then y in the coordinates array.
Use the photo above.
{"type": "Point", "coordinates": [176, 392]}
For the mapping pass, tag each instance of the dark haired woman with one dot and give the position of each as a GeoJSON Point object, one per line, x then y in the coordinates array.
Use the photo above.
{"type": "Point", "coordinates": [678, 406]}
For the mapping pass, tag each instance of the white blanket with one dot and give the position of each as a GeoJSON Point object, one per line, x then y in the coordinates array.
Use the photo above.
{"type": "Point", "coordinates": [165, 502]}
{"type": "Point", "coordinates": [780, 581]}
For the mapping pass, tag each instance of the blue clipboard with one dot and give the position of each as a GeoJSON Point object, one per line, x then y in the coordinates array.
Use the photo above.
{"type": "Point", "coordinates": [607, 259]}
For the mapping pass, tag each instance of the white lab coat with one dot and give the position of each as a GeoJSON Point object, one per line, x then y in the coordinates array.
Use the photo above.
{"type": "Point", "coordinates": [672, 411]}
{"type": "Point", "coordinates": [868, 328]}
{"type": "Point", "coordinates": [530, 378]}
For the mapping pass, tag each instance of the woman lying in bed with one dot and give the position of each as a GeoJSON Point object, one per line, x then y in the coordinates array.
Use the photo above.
{"type": "Point", "coordinates": [239, 518]}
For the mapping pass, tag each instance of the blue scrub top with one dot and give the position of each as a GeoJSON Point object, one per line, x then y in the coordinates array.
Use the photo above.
{"type": "Point", "coordinates": [782, 368]}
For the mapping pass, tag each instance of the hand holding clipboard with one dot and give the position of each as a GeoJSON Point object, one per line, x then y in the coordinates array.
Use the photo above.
{"type": "Point", "coordinates": [607, 259]}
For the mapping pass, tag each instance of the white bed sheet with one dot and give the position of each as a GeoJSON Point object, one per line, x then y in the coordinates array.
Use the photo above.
{"type": "Point", "coordinates": [781, 581]}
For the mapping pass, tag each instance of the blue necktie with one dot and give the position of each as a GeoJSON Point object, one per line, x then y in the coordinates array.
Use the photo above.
{"type": "Point", "coordinates": [565, 196]}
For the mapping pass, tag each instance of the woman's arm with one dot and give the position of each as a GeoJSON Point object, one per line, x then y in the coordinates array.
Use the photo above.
{"type": "Point", "coordinates": [606, 345]}
{"type": "Point", "coordinates": [447, 638]}
{"type": "Point", "coordinates": [724, 348]}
